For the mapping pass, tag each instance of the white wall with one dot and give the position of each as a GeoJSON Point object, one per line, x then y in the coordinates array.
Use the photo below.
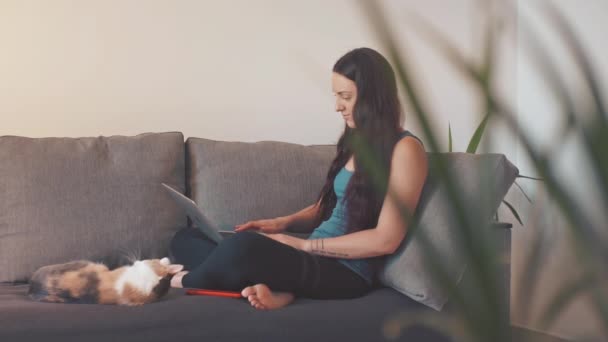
{"type": "Point", "coordinates": [234, 70]}
{"type": "Point", "coordinates": [230, 70]}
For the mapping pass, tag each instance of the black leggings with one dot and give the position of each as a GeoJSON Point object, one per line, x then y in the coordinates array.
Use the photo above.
{"type": "Point", "coordinates": [248, 258]}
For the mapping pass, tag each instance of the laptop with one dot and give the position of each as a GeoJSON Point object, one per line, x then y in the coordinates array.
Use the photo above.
{"type": "Point", "coordinates": [210, 229]}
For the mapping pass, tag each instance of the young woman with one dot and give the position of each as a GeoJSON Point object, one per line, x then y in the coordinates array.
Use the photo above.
{"type": "Point", "coordinates": [359, 223]}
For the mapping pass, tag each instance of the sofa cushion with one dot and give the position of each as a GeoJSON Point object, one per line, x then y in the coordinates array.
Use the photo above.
{"type": "Point", "coordinates": [86, 198]}
{"type": "Point", "coordinates": [482, 181]}
{"type": "Point", "coordinates": [178, 317]}
{"type": "Point", "coordinates": [234, 182]}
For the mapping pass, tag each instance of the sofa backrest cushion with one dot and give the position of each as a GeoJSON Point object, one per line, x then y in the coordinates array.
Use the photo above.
{"type": "Point", "coordinates": [86, 198]}
{"type": "Point", "coordinates": [234, 182]}
{"type": "Point", "coordinates": [481, 181]}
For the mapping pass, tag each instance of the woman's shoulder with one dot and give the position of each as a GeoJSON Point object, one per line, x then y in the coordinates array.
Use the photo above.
{"type": "Point", "coordinates": [407, 138]}
{"type": "Point", "coordinates": [409, 162]}
{"type": "Point", "coordinates": [409, 147]}
{"type": "Point", "coordinates": [407, 134]}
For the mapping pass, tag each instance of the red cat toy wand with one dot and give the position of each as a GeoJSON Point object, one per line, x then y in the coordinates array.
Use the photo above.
{"type": "Point", "coordinates": [203, 292]}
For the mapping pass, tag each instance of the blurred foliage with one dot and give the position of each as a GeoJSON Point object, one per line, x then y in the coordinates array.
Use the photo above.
{"type": "Point", "coordinates": [481, 313]}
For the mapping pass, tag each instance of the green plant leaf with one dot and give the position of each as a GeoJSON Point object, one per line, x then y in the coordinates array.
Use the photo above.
{"type": "Point", "coordinates": [556, 82]}
{"type": "Point", "coordinates": [484, 317]}
{"type": "Point", "coordinates": [601, 304]}
{"type": "Point", "coordinates": [564, 296]}
{"type": "Point", "coordinates": [536, 255]}
{"type": "Point", "coordinates": [544, 62]}
{"type": "Point", "coordinates": [448, 325]}
{"type": "Point", "coordinates": [523, 192]}
{"type": "Point", "coordinates": [449, 137]}
{"type": "Point", "coordinates": [581, 226]}
{"type": "Point", "coordinates": [582, 229]}
{"type": "Point", "coordinates": [528, 177]}
{"type": "Point", "coordinates": [476, 138]}
{"type": "Point", "coordinates": [487, 67]}
{"type": "Point", "coordinates": [575, 46]}
{"type": "Point", "coordinates": [513, 211]}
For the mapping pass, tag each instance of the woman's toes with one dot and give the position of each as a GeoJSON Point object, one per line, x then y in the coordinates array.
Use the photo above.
{"type": "Point", "coordinates": [248, 291]}
{"type": "Point", "coordinates": [255, 302]}
{"type": "Point", "coordinates": [272, 300]}
{"type": "Point", "coordinates": [261, 297]}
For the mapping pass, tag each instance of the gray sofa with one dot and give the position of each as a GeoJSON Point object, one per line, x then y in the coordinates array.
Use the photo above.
{"type": "Point", "coordinates": [100, 199]}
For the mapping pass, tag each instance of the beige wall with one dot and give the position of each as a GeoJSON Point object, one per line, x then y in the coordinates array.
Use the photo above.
{"type": "Point", "coordinates": [232, 70]}
{"type": "Point", "coordinates": [539, 115]}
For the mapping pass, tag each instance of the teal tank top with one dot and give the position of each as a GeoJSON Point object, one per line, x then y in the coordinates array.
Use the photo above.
{"type": "Point", "coordinates": [335, 225]}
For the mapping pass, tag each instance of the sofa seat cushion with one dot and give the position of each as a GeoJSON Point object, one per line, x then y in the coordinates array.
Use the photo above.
{"type": "Point", "coordinates": [179, 317]}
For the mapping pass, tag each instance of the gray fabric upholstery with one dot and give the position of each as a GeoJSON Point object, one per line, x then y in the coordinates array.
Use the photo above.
{"type": "Point", "coordinates": [86, 198]}
{"type": "Point", "coordinates": [482, 181]}
{"type": "Point", "coordinates": [94, 198]}
{"type": "Point", "coordinates": [235, 181]}
{"type": "Point", "coordinates": [183, 318]}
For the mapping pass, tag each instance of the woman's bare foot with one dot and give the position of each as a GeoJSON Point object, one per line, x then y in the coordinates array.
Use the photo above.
{"type": "Point", "coordinates": [176, 281]}
{"type": "Point", "coordinates": [261, 297]}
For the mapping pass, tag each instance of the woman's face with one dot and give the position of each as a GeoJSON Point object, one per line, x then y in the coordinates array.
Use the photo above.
{"type": "Point", "coordinates": [345, 92]}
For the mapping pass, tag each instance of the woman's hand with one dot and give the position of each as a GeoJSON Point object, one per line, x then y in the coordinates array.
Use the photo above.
{"type": "Point", "coordinates": [289, 240]}
{"type": "Point", "coordinates": [269, 226]}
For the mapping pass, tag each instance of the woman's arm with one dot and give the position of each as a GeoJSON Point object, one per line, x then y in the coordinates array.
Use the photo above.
{"type": "Point", "coordinates": [302, 221]}
{"type": "Point", "coordinates": [407, 176]}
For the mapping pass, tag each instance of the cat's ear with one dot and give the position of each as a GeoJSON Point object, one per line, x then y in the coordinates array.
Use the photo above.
{"type": "Point", "coordinates": [175, 268]}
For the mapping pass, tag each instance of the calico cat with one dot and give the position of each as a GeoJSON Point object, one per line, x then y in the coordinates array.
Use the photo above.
{"type": "Point", "coordinates": [86, 282]}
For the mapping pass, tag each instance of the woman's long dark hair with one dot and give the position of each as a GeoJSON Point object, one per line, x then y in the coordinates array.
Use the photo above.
{"type": "Point", "coordinates": [376, 115]}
